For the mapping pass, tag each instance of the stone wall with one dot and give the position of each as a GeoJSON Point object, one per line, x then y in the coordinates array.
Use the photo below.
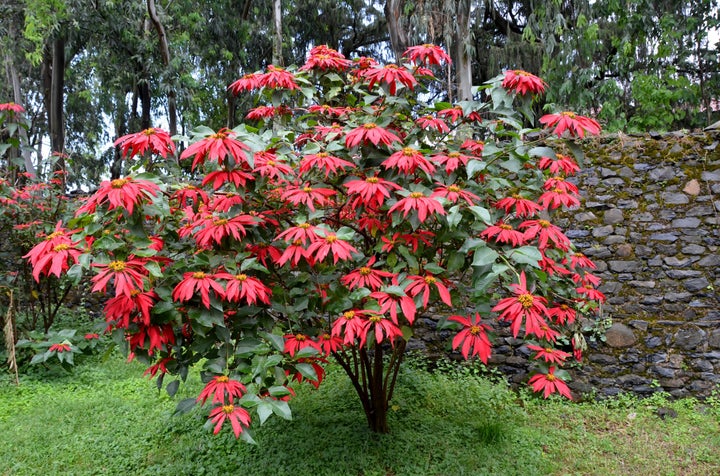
{"type": "Point", "coordinates": [651, 222]}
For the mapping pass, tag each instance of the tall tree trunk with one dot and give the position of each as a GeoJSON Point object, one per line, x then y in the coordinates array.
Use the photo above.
{"type": "Point", "coordinates": [463, 52]}
{"type": "Point", "coordinates": [398, 35]}
{"type": "Point", "coordinates": [277, 54]}
{"type": "Point", "coordinates": [165, 53]}
{"type": "Point", "coordinates": [14, 80]}
{"type": "Point", "coordinates": [55, 113]}
{"type": "Point", "coordinates": [143, 91]}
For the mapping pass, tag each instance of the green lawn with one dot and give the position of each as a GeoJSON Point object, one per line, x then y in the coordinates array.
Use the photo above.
{"type": "Point", "coordinates": [106, 419]}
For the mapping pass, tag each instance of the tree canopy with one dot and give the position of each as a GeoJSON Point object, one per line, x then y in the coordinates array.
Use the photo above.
{"type": "Point", "coordinates": [90, 72]}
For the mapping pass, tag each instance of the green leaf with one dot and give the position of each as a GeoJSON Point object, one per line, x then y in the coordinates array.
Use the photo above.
{"type": "Point", "coordinates": [483, 256]}
{"type": "Point", "coordinates": [482, 214]}
{"type": "Point", "coordinates": [307, 371]}
{"type": "Point", "coordinates": [474, 166]}
{"type": "Point", "coordinates": [542, 152]}
{"type": "Point", "coordinates": [203, 131]}
{"type": "Point", "coordinates": [75, 274]}
{"type": "Point", "coordinates": [529, 255]}
{"type": "Point", "coordinates": [264, 410]}
{"type": "Point", "coordinates": [278, 342]}
{"type": "Point", "coordinates": [278, 391]}
{"type": "Point", "coordinates": [154, 268]}
{"type": "Point", "coordinates": [248, 346]}
{"type": "Point", "coordinates": [108, 243]}
{"type": "Point", "coordinates": [281, 409]}
{"type": "Point", "coordinates": [434, 268]}
{"type": "Point", "coordinates": [456, 261]}
{"type": "Point", "coordinates": [184, 406]}
{"type": "Point", "coordinates": [454, 217]}
{"type": "Point", "coordinates": [172, 388]}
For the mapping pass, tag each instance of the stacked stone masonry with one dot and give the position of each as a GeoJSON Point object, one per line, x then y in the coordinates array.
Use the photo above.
{"type": "Point", "coordinates": [651, 222]}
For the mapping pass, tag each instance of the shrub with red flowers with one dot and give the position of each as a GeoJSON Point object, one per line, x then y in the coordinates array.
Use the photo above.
{"type": "Point", "coordinates": [30, 209]}
{"type": "Point", "coordinates": [327, 226]}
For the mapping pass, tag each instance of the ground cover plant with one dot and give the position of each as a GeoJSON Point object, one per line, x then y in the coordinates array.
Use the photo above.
{"type": "Point", "coordinates": [105, 418]}
{"type": "Point", "coordinates": [323, 229]}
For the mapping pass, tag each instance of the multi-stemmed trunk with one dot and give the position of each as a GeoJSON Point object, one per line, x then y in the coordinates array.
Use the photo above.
{"type": "Point", "coordinates": [373, 378]}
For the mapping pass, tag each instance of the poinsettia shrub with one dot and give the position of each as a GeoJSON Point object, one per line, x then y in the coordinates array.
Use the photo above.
{"type": "Point", "coordinates": [324, 227]}
{"type": "Point", "coordinates": [30, 208]}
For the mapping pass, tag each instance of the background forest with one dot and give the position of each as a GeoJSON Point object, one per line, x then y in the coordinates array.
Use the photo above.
{"type": "Point", "coordinates": [88, 72]}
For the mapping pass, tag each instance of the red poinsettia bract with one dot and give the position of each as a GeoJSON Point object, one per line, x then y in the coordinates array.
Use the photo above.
{"type": "Point", "coordinates": [549, 383]}
{"type": "Point", "coordinates": [389, 75]}
{"type": "Point", "coordinates": [124, 193]}
{"type": "Point", "coordinates": [197, 281]}
{"type": "Point", "coordinates": [370, 132]}
{"type": "Point", "coordinates": [522, 82]}
{"type": "Point", "coordinates": [155, 140]}
{"type": "Point", "coordinates": [222, 389]}
{"type": "Point", "coordinates": [237, 416]}
{"type": "Point", "coordinates": [523, 306]}
{"type": "Point", "coordinates": [574, 124]}
{"type": "Point", "coordinates": [216, 147]}
{"type": "Point", "coordinates": [473, 337]}
{"type": "Point", "coordinates": [127, 276]}
{"type": "Point", "coordinates": [428, 54]}
{"type": "Point", "coordinates": [417, 201]}
{"type": "Point", "coordinates": [548, 354]}
{"type": "Point", "coordinates": [51, 255]}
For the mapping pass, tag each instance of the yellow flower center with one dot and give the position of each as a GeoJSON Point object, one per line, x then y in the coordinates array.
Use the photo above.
{"type": "Point", "coordinates": [520, 72]}
{"type": "Point", "coordinates": [372, 180]}
{"type": "Point", "coordinates": [454, 155]}
{"type": "Point", "coordinates": [222, 379]}
{"type": "Point", "coordinates": [429, 280]}
{"type": "Point", "coordinates": [228, 409]}
{"type": "Point", "coordinates": [364, 271]}
{"type": "Point", "coordinates": [551, 377]}
{"type": "Point", "coordinates": [149, 132]}
{"type": "Point", "coordinates": [544, 223]}
{"type": "Point", "coordinates": [409, 151]}
{"type": "Point", "coordinates": [300, 337]}
{"type": "Point", "coordinates": [349, 315]}
{"type": "Point", "coordinates": [549, 350]}
{"type": "Point", "coordinates": [330, 239]}
{"type": "Point", "coordinates": [54, 235]}
{"type": "Point", "coordinates": [454, 189]}
{"type": "Point", "coordinates": [241, 277]}
{"type": "Point", "coordinates": [219, 135]}
{"type": "Point", "coordinates": [271, 163]}
{"type": "Point", "coordinates": [304, 226]}
{"type": "Point", "coordinates": [198, 275]}
{"type": "Point", "coordinates": [370, 125]}
{"type": "Point", "coordinates": [475, 330]}
{"type": "Point", "coordinates": [117, 266]}
{"type": "Point", "coordinates": [307, 189]}
{"type": "Point", "coordinates": [134, 292]}
{"type": "Point", "coordinates": [118, 183]}
{"type": "Point", "coordinates": [569, 114]}
{"type": "Point", "coordinates": [322, 154]}
{"type": "Point", "coordinates": [416, 195]}
{"type": "Point", "coordinates": [526, 300]}
{"type": "Point", "coordinates": [62, 247]}
{"type": "Point", "coordinates": [220, 222]}
{"type": "Point", "coordinates": [505, 226]}
{"type": "Point", "coordinates": [375, 319]}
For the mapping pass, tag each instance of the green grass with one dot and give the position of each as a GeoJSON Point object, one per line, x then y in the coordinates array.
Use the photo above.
{"type": "Point", "coordinates": [106, 419]}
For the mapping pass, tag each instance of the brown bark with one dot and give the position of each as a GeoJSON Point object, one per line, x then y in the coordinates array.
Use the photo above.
{"type": "Point", "coordinates": [277, 58]}
{"type": "Point", "coordinates": [398, 36]}
{"type": "Point", "coordinates": [14, 80]}
{"type": "Point", "coordinates": [165, 53]}
{"type": "Point", "coordinates": [463, 58]}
